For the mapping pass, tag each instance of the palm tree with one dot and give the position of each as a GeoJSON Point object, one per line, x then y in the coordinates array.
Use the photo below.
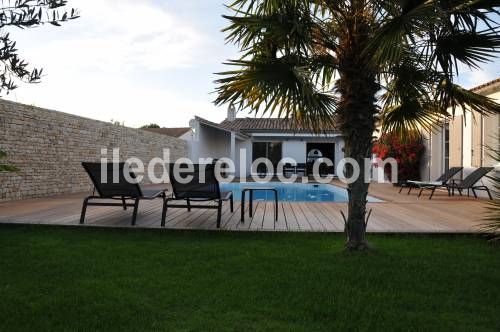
{"type": "Point", "coordinates": [358, 64]}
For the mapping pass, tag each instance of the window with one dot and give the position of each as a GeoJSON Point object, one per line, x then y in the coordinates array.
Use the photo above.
{"type": "Point", "coordinates": [269, 150]}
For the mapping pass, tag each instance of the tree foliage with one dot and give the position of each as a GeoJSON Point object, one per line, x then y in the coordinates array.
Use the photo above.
{"type": "Point", "coordinates": [291, 52]}
{"type": "Point", "coordinates": [151, 125]}
{"type": "Point", "coordinates": [25, 14]}
{"type": "Point", "coordinates": [358, 64]}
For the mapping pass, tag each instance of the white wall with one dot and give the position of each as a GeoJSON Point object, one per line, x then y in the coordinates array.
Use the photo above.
{"type": "Point", "coordinates": [295, 150]}
{"type": "Point", "coordinates": [187, 136]}
{"type": "Point", "coordinates": [213, 143]}
{"type": "Point", "coordinates": [467, 140]}
{"type": "Point", "coordinates": [465, 156]}
{"type": "Point", "coordinates": [210, 143]}
{"type": "Point", "coordinates": [492, 132]}
{"type": "Point", "coordinates": [432, 165]}
{"type": "Point", "coordinates": [339, 153]}
{"type": "Point", "coordinates": [243, 149]}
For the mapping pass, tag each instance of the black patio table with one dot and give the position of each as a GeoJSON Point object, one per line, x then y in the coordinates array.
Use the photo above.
{"type": "Point", "coordinates": [250, 208]}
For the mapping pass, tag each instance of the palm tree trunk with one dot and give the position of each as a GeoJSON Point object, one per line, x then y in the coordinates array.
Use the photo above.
{"type": "Point", "coordinates": [357, 148]}
{"type": "Point", "coordinates": [358, 128]}
{"type": "Point", "coordinates": [358, 114]}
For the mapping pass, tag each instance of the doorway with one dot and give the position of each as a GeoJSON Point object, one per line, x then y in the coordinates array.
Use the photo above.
{"type": "Point", "coordinates": [320, 150]}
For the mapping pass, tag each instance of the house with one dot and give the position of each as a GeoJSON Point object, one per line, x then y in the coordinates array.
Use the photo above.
{"type": "Point", "coordinates": [244, 140]}
{"type": "Point", "coordinates": [185, 133]}
{"type": "Point", "coordinates": [461, 141]}
{"type": "Point", "coordinates": [464, 139]}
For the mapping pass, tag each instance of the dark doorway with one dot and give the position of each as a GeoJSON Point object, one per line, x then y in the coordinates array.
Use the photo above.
{"type": "Point", "coordinates": [320, 150]}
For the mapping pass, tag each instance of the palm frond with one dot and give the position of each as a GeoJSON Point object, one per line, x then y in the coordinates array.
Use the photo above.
{"type": "Point", "coordinates": [470, 15]}
{"type": "Point", "coordinates": [281, 87]}
{"type": "Point", "coordinates": [463, 6]}
{"type": "Point", "coordinates": [323, 66]}
{"type": "Point", "coordinates": [469, 47]}
{"type": "Point", "coordinates": [265, 7]}
{"type": "Point", "coordinates": [408, 80]}
{"type": "Point", "coordinates": [410, 116]}
{"type": "Point", "coordinates": [452, 96]}
{"type": "Point", "coordinates": [288, 28]}
{"type": "Point", "coordinates": [391, 39]}
{"type": "Point", "coordinates": [491, 226]}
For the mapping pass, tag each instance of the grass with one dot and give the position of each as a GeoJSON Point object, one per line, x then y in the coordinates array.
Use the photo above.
{"type": "Point", "coordinates": [113, 280]}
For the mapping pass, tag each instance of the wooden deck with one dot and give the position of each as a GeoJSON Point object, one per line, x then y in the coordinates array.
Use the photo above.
{"type": "Point", "coordinates": [399, 213]}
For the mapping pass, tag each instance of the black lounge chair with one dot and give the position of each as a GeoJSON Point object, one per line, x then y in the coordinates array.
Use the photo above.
{"type": "Point", "coordinates": [470, 182]}
{"type": "Point", "coordinates": [196, 189]}
{"type": "Point", "coordinates": [296, 168]}
{"type": "Point", "coordinates": [288, 168]}
{"type": "Point", "coordinates": [440, 181]}
{"type": "Point", "coordinates": [122, 190]}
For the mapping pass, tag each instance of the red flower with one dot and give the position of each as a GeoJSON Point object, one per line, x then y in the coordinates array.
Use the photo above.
{"type": "Point", "coordinates": [407, 154]}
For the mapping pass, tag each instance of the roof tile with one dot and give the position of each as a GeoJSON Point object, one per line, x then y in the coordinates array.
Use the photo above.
{"type": "Point", "coordinates": [174, 132]}
{"type": "Point", "coordinates": [266, 124]}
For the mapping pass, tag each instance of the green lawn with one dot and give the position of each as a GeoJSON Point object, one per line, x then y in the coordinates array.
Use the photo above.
{"type": "Point", "coordinates": [86, 279]}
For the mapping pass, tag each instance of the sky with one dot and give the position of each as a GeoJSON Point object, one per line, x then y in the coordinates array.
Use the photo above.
{"type": "Point", "coordinates": [139, 62]}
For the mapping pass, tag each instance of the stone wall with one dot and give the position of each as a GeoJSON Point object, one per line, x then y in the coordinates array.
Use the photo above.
{"type": "Point", "coordinates": [48, 147]}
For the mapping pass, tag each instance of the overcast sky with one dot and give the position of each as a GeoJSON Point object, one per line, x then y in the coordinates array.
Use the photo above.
{"type": "Point", "coordinates": [138, 62]}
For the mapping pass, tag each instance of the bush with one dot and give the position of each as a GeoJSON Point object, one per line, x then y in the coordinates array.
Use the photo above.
{"type": "Point", "coordinates": [4, 167]}
{"type": "Point", "coordinates": [406, 151]}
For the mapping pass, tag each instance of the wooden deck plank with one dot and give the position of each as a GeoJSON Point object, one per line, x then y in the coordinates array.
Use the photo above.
{"type": "Point", "coordinates": [291, 220]}
{"type": "Point", "coordinates": [233, 219]}
{"type": "Point", "coordinates": [324, 217]}
{"type": "Point", "coordinates": [183, 218]}
{"type": "Point", "coordinates": [247, 220]}
{"type": "Point", "coordinates": [211, 222]}
{"type": "Point", "coordinates": [281, 224]}
{"type": "Point", "coordinates": [399, 213]}
{"type": "Point", "coordinates": [203, 221]}
{"type": "Point", "coordinates": [302, 221]}
{"type": "Point", "coordinates": [313, 220]}
{"type": "Point", "coordinates": [268, 222]}
{"type": "Point", "coordinates": [258, 215]}
{"type": "Point", "coordinates": [332, 213]}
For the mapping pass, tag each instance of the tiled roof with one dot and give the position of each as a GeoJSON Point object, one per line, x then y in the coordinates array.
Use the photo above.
{"type": "Point", "coordinates": [174, 132]}
{"type": "Point", "coordinates": [219, 126]}
{"type": "Point", "coordinates": [487, 85]}
{"type": "Point", "coordinates": [266, 124]}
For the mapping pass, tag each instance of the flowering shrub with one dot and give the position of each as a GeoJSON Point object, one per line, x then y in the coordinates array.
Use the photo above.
{"type": "Point", "coordinates": [407, 153]}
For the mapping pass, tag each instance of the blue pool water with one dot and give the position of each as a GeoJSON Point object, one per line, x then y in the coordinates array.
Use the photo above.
{"type": "Point", "coordinates": [293, 192]}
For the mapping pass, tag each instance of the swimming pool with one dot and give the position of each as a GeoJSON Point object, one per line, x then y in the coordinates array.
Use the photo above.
{"type": "Point", "coordinates": [293, 192]}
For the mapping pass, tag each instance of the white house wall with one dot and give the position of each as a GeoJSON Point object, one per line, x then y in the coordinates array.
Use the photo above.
{"type": "Point", "coordinates": [339, 150]}
{"type": "Point", "coordinates": [426, 163]}
{"type": "Point", "coordinates": [243, 150]}
{"type": "Point", "coordinates": [292, 148]}
{"type": "Point", "coordinates": [492, 132]}
{"type": "Point", "coordinates": [436, 164]}
{"type": "Point", "coordinates": [296, 150]}
{"type": "Point", "coordinates": [210, 143]}
{"type": "Point", "coordinates": [467, 140]}
{"type": "Point", "coordinates": [465, 151]}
